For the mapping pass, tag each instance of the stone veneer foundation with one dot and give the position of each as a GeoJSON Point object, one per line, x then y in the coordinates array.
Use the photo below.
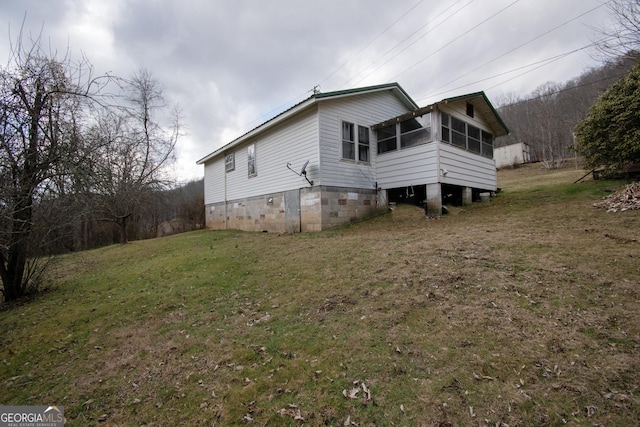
{"type": "Point", "coordinates": [320, 208]}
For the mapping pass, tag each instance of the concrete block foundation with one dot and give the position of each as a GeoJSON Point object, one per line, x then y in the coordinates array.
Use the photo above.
{"type": "Point", "coordinates": [307, 209]}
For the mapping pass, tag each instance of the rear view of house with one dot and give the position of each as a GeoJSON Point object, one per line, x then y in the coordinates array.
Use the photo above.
{"type": "Point", "coordinates": [342, 156]}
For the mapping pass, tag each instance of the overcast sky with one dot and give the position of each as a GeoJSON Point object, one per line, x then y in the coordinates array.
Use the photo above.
{"type": "Point", "coordinates": [233, 64]}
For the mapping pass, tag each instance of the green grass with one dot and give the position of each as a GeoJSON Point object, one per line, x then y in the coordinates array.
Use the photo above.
{"type": "Point", "coordinates": [523, 311]}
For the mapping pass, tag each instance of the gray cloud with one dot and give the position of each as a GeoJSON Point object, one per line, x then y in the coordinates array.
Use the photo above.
{"type": "Point", "coordinates": [232, 64]}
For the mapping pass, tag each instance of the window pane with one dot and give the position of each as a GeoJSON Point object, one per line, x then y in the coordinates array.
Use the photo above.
{"type": "Point", "coordinates": [469, 109]}
{"type": "Point", "coordinates": [251, 160]}
{"type": "Point", "coordinates": [348, 141]}
{"type": "Point", "coordinates": [409, 125]}
{"type": "Point", "coordinates": [459, 139]}
{"type": "Point", "coordinates": [414, 138]}
{"type": "Point", "coordinates": [387, 132]}
{"type": "Point", "coordinates": [387, 145]}
{"type": "Point", "coordinates": [363, 144]}
{"type": "Point", "coordinates": [473, 142]}
{"type": "Point", "coordinates": [458, 125]}
{"type": "Point", "coordinates": [363, 135]}
{"type": "Point", "coordinates": [487, 150]}
{"type": "Point", "coordinates": [387, 139]}
{"type": "Point", "coordinates": [446, 135]}
{"type": "Point", "coordinates": [415, 131]}
{"type": "Point", "coordinates": [348, 150]}
{"type": "Point", "coordinates": [229, 162]}
{"type": "Point", "coordinates": [474, 145]}
{"type": "Point", "coordinates": [363, 153]}
{"type": "Point", "coordinates": [444, 118]}
{"type": "Point", "coordinates": [347, 131]}
{"type": "Point", "coordinates": [487, 138]}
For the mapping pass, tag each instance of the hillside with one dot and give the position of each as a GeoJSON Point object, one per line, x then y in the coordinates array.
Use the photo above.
{"type": "Point", "coordinates": [524, 310]}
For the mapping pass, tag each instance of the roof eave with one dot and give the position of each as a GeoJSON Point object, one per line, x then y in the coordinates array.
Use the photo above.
{"type": "Point", "coordinates": [497, 132]}
{"type": "Point", "coordinates": [307, 103]}
{"type": "Point", "coordinates": [263, 127]}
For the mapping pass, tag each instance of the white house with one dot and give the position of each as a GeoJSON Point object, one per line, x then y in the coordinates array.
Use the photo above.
{"type": "Point", "coordinates": [340, 156]}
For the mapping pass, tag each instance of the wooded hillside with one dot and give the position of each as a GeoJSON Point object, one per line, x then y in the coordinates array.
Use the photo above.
{"type": "Point", "coordinates": [546, 119]}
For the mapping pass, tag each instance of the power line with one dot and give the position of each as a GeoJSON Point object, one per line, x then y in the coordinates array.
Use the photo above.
{"type": "Point", "coordinates": [371, 42]}
{"type": "Point", "coordinates": [412, 43]}
{"type": "Point", "coordinates": [566, 89]}
{"type": "Point", "coordinates": [521, 45]}
{"type": "Point", "coordinates": [541, 63]}
{"type": "Point", "coordinates": [315, 89]}
{"type": "Point", "coordinates": [455, 39]}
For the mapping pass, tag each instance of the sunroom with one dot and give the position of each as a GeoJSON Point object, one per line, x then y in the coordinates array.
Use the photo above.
{"type": "Point", "coordinates": [442, 153]}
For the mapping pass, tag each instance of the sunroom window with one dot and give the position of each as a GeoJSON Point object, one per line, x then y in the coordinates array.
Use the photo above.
{"type": "Point", "coordinates": [473, 141]}
{"type": "Point", "coordinates": [415, 131]}
{"type": "Point", "coordinates": [466, 136]}
{"type": "Point", "coordinates": [487, 144]}
{"type": "Point", "coordinates": [458, 132]}
{"type": "Point", "coordinates": [387, 140]}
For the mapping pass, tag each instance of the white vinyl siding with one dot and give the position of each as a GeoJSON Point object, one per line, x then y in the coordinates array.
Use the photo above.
{"type": "Point", "coordinates": [411, 166]}
{"type": "Point", "coordinates": [294, 141]}
{"type": "Point", "coordinates": [214, 177]}
{"type": "Point", "coordinates": [420, 165]}
{"type": "Point", "coordinates": [362, 110]}
{"type": "Point", "coordinates": [467, 169]}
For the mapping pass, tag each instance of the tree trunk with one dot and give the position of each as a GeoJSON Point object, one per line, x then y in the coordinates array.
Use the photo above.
{"type": "Point", "coordinates": [122, 225]}
{"type": "Point", "coordinates": [12, 268]}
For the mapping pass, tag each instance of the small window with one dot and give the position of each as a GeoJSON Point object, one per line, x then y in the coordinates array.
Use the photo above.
{"type": "Point", "coordinates": [363, 144]}
{"type": "Point", "coordinates": [469, 109]}
{"type": "Point", "coordinates": [348, 141]}
{"type": "Point", "coordinates": [251, 160]}
{"type": "Point", "coordinates": [387, 140]}
{"type": "Point", "coordinates": [229, 162]}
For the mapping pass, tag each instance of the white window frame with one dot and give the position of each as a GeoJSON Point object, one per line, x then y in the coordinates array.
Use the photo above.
{"type": "Point", "coordinates": [359, 147]}
{"type": "Point", "coordinates": [230, 162]}
{"type": "Point", "coordinates": [363, 147]}
{"type": "Point", "coordinates": [484, 144]}
{"type": "Point", "coordinates": [252, 169]}
{"type": "Point", "coordinates": [350, 140]}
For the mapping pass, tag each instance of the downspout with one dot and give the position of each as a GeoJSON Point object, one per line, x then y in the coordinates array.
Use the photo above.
{"type": "Point", "coordinates": [436, 136]}
{"type": "Point", "coordinates": [226, 223]}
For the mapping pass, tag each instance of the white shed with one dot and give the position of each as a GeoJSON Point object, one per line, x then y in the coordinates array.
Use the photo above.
{"type": "Point", "coordinates": [513, 154]}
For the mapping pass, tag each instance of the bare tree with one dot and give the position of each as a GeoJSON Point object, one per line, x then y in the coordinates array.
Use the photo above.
{"type": "Point", "coordinates": [130, 153]}
{"type": "Point", "coordinates": [39, 97]}
{"type": "Point", "coordinates": [622, 37]}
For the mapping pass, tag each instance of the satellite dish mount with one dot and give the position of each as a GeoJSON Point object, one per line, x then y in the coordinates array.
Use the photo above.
{"type": "Point", "coordinates": [303, 171]}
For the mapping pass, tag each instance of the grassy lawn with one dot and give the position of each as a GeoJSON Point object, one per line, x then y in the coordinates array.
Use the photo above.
{"type": "Point", "coordinates": [522, 311]}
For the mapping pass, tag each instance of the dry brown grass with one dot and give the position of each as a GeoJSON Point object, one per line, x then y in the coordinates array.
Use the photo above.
{"type": "Point", "coordinates": [520, 311]}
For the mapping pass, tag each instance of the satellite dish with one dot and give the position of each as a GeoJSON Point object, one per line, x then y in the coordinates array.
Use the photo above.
{"type": "Point", "coordinates": [303, 171]}
{"type": "Point", "coordinates": [304, 168]}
